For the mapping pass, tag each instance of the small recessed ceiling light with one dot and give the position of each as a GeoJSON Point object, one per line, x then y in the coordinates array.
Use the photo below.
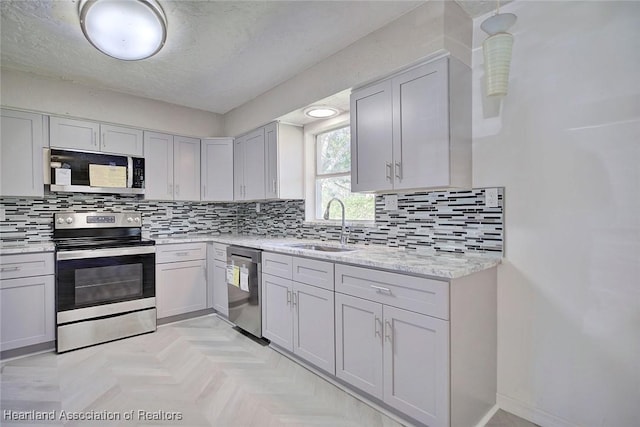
{"type": "Point", "coordinates": [321, 112]}
{"type": "Point", "coordinates": [124, 29]}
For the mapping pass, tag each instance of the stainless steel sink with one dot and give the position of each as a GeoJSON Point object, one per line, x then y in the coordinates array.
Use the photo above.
{"type": "Point", "coordinates": [320, 248]}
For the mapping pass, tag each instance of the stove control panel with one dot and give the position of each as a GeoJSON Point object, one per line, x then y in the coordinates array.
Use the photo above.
{"type": "Point", "coordinates": [76, 220]}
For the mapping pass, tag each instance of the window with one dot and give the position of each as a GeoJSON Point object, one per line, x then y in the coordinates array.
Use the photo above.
{"type": "Point", "coordinates": [333, 178]}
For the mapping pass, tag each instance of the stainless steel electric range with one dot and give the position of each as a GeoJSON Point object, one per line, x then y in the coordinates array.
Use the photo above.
{"type": "Point", "coordinates": [105, 278]}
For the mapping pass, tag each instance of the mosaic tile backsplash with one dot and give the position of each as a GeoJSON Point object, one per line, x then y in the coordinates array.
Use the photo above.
{"type": "Point", "coordinates": [451, 221]}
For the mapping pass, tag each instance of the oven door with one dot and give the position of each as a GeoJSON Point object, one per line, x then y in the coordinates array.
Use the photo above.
{"type": "Point", "coordinates": [87, 278]}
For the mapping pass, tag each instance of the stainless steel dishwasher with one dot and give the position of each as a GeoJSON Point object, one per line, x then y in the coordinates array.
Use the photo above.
{"type": "Point", "coordinates": [244, 286]}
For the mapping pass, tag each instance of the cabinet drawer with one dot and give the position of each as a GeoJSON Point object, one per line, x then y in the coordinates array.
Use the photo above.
{"type": "Point", "coordinates": [26, 265]}
{"type": "Point", "coordinates": [277, 265]}
{"type": "Point", "coordinates": [220, 251]}
{"type": "Point", "coordinates": [180, 252]}
{"type": "Point", "coordinates": [313, 272]}
{"type": "Point", "coordinates": [418, 294]}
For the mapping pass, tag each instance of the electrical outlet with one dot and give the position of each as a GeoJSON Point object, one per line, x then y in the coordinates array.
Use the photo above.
{"type": "Point", "coordinates": [391, 202]}
{"type": "Point", "coordinates": [169, 213]}
{"type": "Point", "coordinates": [258, 207]}
{"type": "Point", "coordinates": [491, 197]}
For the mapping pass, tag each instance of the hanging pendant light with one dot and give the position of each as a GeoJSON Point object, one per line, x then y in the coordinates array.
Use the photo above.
{"type": "Point", "coordinates": [124, 29]}
{"type": "Point", "coordinates": [497, 51]}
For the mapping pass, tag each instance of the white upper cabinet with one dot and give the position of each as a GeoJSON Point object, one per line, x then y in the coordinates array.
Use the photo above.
{"type": "Point", "coordinates": [121, 140]}
{"type": "Point", "coordinates": [268, 163]}
{"type": "Point", "coordinates": [371, 138]}
{"type": "Point", "coordinates": [217, 169]}
{"type": "Point", "coordinates": [284, 160]}
{"type": "Point", "coordinates": [21, 143]}
{"type": "Point", "coordinates": [413, 130]}
{"type": "Point", "coordinates": [74, 134]}
{"type": "Point", "coordinates": [172, 165]}
{"type": "Point", "coordinates": [91, 136]}
{"type": "Point", "coordinates": [248, 160]}
{"type": "Point", "coordinates": [186, 168]}
{"type": "Point", "coordinates": [158, 157]}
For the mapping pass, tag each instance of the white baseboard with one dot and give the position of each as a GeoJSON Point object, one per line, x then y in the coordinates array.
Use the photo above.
{"type": "Point", "coordinates": [483, 422]}
{"type": "Point", "coordinates": [535, 415]}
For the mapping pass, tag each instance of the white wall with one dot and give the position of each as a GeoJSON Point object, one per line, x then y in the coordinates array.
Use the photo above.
{"type": "Point", "coordinates": [566, 146]}
{"type": "Point", "coordinates": [409, 39]}
{"type": "Point", "coordinates": [54, 96]}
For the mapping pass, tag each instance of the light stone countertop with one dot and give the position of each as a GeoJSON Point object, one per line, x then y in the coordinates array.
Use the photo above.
{"type": "Point", "coordinates": [441, 265]}
{"type": "Point", "coordinates": [26, 248]}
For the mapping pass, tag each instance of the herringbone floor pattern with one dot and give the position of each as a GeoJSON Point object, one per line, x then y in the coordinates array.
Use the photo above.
{"type": "Point", "coordinates": [201, 368]}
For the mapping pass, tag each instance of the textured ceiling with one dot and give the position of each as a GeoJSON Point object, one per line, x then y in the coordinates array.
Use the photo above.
{"type": "Point", "coordinates": [218, 55]}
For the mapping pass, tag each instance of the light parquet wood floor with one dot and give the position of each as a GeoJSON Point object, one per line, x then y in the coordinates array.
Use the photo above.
{"type": "Point", "coordinates": [201, 368]}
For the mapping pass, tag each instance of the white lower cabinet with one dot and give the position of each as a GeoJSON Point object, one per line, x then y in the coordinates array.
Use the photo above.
{"type": "Point", "coordinates": [27, 300]}
{"type": "Point", "coordinates": [181, 281]}
{"type": "Point", "coordinates": [299, 317]}
{"type": "Point", "coordinates": [217, 295]}
{"type": "Point", "coordinates": [394, 355]}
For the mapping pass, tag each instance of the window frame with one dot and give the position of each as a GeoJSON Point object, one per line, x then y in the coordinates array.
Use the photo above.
{"type": "Point", "coordinates": [315, 176]}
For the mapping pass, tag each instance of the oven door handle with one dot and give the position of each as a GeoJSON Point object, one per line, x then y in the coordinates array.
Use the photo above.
{"type": "Point", "coordinates": [106, 252]}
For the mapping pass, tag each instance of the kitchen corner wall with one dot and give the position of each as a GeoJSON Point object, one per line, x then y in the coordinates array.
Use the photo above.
{"type": "Point", "coordinates": [565, 143]}
{"type": "Point", "coordinates": [452, 221]}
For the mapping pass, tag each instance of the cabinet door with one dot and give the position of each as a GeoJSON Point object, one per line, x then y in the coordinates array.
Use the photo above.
{"type": "Point", "coordinates": [158, 157]}
{"type": "Point", "coordinates": [74, 134]}
{"type": "Point", "coordinates": [217, 170]}
{"type": "Point", "coordinates": [121, 140]}
{"type": "Point", "coordinates": [416, 365]}
{"type": "Point", "coordinates": [186, 168]}
{"type": "Point", "coordinates": [359, 343]}
{"type": "Point", "coordinates": [238, 168]}
{"type": "Point", "coordinates": [371, 138]}
{"type": "Point", "coordinates": [313, 326]}
{"type": "Point", "coordinates": [27, 311]}
{"type": "Point", "coordinates": [277, 319]}
{"type": "Point", "coordinates": [421, 127]}
{"type": "Point", "coordinates": [254, 166]}
{"type": "Point", "coordinates": [21, 143]}
{"type": "Point", "coordinates": [220, 294]}
{"type": "Point", "coordinates": [271, 160]}
{"type": "Point", "coordinates": [181, 287]}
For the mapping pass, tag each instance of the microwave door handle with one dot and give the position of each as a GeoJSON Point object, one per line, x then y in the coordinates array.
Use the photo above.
{"type": "Point", "coordinates": [129, 172]}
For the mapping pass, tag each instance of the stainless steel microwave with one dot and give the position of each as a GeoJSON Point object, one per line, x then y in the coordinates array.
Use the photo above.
{"type": "Point", "coordinates": [90, 172]}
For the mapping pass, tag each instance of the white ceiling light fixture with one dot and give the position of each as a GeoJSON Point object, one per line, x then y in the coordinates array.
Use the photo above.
{"type": "Point", "coordinates": [321, 112]}
{"type": "Point", "coordinates": [124, 29]}
{"type": "Point", "coordinates": [497, 51]}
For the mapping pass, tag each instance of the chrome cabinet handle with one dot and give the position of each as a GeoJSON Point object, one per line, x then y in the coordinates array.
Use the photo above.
{"type": "Point", "coordinates": [381, 290]}
{"type": "Point", "coordinates": [273, 186]}
{"type": "Point", "coordinates": [388, 331]}
{"type": "Point", "coordinates": [398, 168]}
{"type": "Point", "coordinates": [294, 299]}
{"type": "Point", "coordinates": [388, 167]}
{"type": "Point", "coordinates": [104, 140]}
{"type": "Point", "coordinates": [5, 269]}
{"type": "Point", "coordinates": [377, 327]}
{"type": "Point", "coordinates": [182, 253]}
{"type": "Point", "coordinates": [177, 189]}
{"type": "Point", "coordinates": [288, 297]}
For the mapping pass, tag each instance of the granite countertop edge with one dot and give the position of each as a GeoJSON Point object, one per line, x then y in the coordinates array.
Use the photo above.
{"type": "Point", "coordinates": [442, 265]}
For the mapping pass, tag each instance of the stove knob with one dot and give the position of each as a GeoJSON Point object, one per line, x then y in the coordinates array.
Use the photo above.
{"type": "Point", "coordinates": [60, 220]}
{"type": "Point", "coordinates": [69, 220]}
{"type": "Point", "coordinates": [137, 219]}
{"type": "Point", "coordinates": [129, 219]}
